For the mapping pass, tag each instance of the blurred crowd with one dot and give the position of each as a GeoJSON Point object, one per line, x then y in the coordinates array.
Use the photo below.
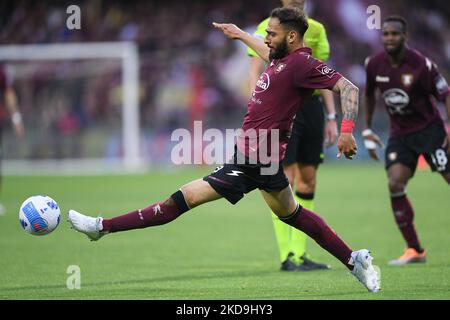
{"type": "Point", "coordinates": [188, 71]}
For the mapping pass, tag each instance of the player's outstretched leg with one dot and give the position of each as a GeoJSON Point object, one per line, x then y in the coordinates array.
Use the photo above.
{"type": "Point", "coordinates": [359, 262]}
{"type": "Point", "coordinates": [188, 197]}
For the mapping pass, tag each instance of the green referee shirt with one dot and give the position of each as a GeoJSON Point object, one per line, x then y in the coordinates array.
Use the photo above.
{"type": "Point", "coordinates": [315, 38]}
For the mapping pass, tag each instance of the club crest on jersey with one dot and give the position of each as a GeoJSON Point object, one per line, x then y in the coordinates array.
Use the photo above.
{"type": "Point", "coordinates": [263, 83]}
{"type": "Point", "coordinates": [407, 79]}
{"type": "Point", "coordinates": [325, 70]}
{"type": "Point", "coordinates": [280, 67]}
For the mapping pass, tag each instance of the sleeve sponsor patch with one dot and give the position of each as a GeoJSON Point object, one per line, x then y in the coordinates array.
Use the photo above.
{"type": "Point", "coordinates": [325, 70]}
{"type": "Point", "coordinates": [441, 85]}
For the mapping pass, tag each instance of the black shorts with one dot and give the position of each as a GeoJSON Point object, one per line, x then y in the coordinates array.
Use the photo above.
{"type": "Point", "coordinates": [306, 142]}
{"type": "Point", "coordinates": [232, 181]}
{"type": "Point", "coordinates": [406, 150]}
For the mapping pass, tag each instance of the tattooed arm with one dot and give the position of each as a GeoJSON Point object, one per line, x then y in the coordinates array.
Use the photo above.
{"type": "Point", "coordinates": [349, 98]}
{"type": "Point", "coordinates": [349, 104]}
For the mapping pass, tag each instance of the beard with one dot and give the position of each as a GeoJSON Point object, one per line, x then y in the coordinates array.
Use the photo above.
{"type": "Point", "coordinates": [279, 52]}
{"type": "Point", "coordinates": [395, 50]}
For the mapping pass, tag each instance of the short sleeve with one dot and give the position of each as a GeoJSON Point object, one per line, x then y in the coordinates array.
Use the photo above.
{"type": "Point", "coordinates": [435, 83]}
{"type": "Point", "coordinates": [314, 74]}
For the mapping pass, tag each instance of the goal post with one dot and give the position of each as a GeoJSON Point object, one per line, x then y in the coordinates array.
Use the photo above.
{"type": "Point", "coordinates": [127, 52]}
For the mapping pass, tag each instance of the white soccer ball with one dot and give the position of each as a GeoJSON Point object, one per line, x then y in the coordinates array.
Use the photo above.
{"type": "Point", "coordinates": [39, 215]}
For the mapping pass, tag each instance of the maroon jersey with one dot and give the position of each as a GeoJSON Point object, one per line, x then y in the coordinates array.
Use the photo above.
{"type": "Point", "coordinates": [407, 90]}
{"type": "Point", "coordinates": [281, 89]}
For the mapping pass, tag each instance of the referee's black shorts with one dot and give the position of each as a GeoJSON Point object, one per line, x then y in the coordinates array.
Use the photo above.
{"type": "Point", "coordinates": [306, 142]}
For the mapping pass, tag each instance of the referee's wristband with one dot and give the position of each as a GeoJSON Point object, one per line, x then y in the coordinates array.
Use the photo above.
{"type": "Point", "coordinates": [332, 116]}
{"type": "Point", "coordinates": [369, 144]}
{"type": "Point", "coordinates": [366, 133]}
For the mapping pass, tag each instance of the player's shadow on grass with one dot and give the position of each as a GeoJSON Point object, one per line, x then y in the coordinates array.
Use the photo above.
{"type": "Point", "coordinates": [188, 277]}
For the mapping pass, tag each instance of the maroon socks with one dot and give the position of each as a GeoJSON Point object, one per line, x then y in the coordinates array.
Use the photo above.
{"type": "Point", "coordinates": [154, 215]}
{"type": "Point", "coordinates": [404, 216]}
{"type": "Point", "coordinates": [316, 228]}
{"type": "Point", "coordinates": [164, 212]}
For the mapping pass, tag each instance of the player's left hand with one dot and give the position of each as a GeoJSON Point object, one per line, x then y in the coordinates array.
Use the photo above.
{"type": "Point", "coordinates": [347, 146]}
{"type": "Point", "coordinates": [371, 141]}
{"type": "Point", "coordinates": [230, 30]}
{"type": "Point", "coordinates": [331, 133]}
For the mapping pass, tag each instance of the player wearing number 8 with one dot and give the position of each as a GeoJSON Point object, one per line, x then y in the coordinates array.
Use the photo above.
{"type": "Point", "coordinates": [407, 80]}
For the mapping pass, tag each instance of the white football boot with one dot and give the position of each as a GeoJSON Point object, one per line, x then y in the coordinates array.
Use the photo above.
{"type": "Point", "coordinates": [364, 271]}
{"type": "Point", "coordinates": [88, 225]}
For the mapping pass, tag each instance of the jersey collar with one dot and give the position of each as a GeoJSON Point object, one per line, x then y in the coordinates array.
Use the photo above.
{"type": "Point", "coordinates": [304, 49]}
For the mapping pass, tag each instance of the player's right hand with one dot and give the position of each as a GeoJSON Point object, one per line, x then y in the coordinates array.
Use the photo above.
{"type": "Point", "coordinates": [230, 30]}
{"type": "Point", "coordinates": [371, 140]}
{"type": "Point", "coordinates": [347, 146]}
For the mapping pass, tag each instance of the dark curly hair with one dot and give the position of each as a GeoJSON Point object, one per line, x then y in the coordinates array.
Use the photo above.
{"type": "Point", "coordinates": [291, 19]}
{"type": "Point", "coordinates": [399, 19]}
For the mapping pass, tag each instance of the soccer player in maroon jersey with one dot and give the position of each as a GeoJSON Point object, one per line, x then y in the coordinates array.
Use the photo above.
{"type": "Point", "coordinates": [288, 80]}
{"type": "Point", "coordinates": [8, 106]}
{"type": "Point", "coordinates": [304, 152]}
{"type": "Point", "coordinates": [407, 81]}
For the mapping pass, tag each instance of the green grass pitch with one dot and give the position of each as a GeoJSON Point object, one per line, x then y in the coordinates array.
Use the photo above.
{"type": "Point", "coordinates": [219, 251]}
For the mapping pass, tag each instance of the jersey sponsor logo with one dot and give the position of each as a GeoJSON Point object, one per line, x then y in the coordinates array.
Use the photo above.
{"type": "Point", "coordinates": [407, 79]}
{"type": "Point", "coordinates": [397, 100]}
{"type": "Point", "coordinates": [280, 67]}
{"type": "Point", "coordinates": [382, 79]}
{"type": "Point", "coordinates": [263, 83]}
{"type": "Point", "coordinates": [325, 70]}
{"type": "Point", "coordinates": [256, 100]}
